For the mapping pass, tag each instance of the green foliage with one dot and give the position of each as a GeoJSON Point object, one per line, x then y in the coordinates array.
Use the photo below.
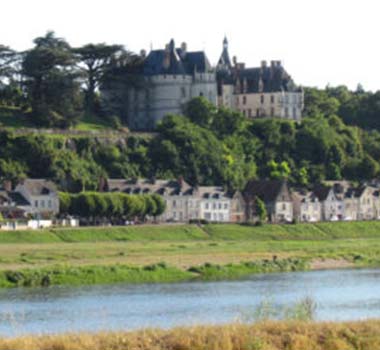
{"type": "Point", "coordinates": [260, 209]}
{"type": "Point", "coordinates": [51, 81]}
{"type": "Point", "coordinates": [112, 205]}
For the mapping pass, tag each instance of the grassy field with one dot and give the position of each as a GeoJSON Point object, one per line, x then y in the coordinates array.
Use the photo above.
{"type": "Point", "coordinates": [290, 335]}
{"type": "Point", "coordinates": [209, 252]}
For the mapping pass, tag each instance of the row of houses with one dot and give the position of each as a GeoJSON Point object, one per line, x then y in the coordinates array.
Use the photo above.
{"type": "Point", "coordinates": [331, 201]}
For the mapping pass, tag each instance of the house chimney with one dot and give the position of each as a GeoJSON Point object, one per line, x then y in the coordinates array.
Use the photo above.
{"type": "Point", "coordinates": [102, 186]}
{"type": "Point", "coordinates": [7, 184]}
{"type": "Point", "coordinates": [181, 181]}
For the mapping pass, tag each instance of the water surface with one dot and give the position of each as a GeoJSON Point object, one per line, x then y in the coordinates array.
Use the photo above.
{"type": "Point", "coordinates": [340, 295]}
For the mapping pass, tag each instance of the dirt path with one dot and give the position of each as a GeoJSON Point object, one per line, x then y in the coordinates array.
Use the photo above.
{"type": "Point", "coordinates": [325, 264]}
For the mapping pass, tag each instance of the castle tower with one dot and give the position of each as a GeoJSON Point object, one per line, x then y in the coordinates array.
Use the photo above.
{"type": "Point", "coordinates": [224, 60]}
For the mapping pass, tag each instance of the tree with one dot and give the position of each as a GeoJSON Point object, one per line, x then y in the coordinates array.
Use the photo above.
{"type": "Point", "coordinates": [51, 81]}
{"type": "Point", "coordinates": [200, 111]}
{"type": "Point", "coordinates": [93, 61]}
{"type": "Point", "coordinates": [160, 205]}
{"type": "Point", "coordinates": [260, 209]}
{"type": "Point", "coordinates": [64, 202]}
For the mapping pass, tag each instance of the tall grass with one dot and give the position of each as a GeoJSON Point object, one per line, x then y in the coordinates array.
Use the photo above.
{"type": "Point", "coordinates": [293, 335]}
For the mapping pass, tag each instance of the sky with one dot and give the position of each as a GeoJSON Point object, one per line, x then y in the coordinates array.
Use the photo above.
{"type": "Point", "coordinates": [320, 42]}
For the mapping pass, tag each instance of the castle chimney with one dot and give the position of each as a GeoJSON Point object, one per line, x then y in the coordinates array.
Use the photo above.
{"type": "Point", "coordinates": [143, 53]}
{"type": "Point", "coordinates": [273, 64]}
{"type": "Point", "coordinates": [234, 60]}
{"type": "Point", "coordinates": [263, 64]}
{"type": "Point", "coordinates": [166, 62]}
{"type": "Point", "coordinates": [183, 49]}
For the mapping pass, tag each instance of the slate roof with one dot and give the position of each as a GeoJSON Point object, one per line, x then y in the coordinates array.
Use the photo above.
{"type": "Point", "coordinates": [175, 61]}
{"type": "Point", "coordinates": [322, 192]}
{"type": "Point", "coordinates": [141, 186]}
{"type": "Point", "coordinates": [18, 199]}
{"type": "Point", "coordinates": [267, 190]}
{"type": "Point", "coordinates": [38, 187]}
{"type": "Point", "coordinates": [166, 188]}
{"type": "Point", "coordinates": [265, 79]}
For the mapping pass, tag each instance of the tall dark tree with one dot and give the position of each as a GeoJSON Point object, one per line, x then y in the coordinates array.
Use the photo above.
{"type": "Point", "coordinates": [93, 60]}
{"type": "Point", "coordinates": [51, 81]}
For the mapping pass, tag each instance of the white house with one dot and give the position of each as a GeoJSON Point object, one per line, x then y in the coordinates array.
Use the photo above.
{"type": "Point", "coordinates": [40, 197]}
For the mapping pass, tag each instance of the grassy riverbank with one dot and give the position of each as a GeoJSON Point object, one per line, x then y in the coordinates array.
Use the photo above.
{"type": "Point", "coordinates": [289, 335]}
{"type": "Point", "coordinates": [92, 255]}
{"type": "Point", "coordinates": [157, 273]}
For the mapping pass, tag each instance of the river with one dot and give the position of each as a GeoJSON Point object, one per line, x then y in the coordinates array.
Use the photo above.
{"type": "Point", "coordinates": [340, 295]}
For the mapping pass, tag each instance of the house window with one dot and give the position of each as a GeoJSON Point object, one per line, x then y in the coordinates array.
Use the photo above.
{"type": "Point", "coordinates": [220, 206]}
{"type": "Point", "coordinates": [244, 112]}
{"type": "Point", "coordinates": [49, 203]}
{"type": "Point", "coordinates": [174, 204]}
{"type": "Point", "coordinates": [201, 94]}
{"type": "Point", "coordinates": [272, 112]}
{"type": "Point", "coordinates": [283, 206]}
{"type": "Point", "coordinates": [294, 113]}
{"type": "Point", "coordinates": [250, 113]}
{"type": "Point", "coordinates": [244, 100]}
{"type": "Point", "coordinates": [183, 92]}
{"type": "Point", "coordinates": [42, 204]}
{"type": "Point", "coordinates": [262, 98]}
{"type": "Point", "coordinates": [286, 112]}
{"type": "Point", "coordinates": [271, 98]}
{"type": "Point", "coordinates": [208, 216]}
{"type": "Point", "coordinates": [206, 205]}
{"type": "Point", "coordinates": [36, 204]}
{"type": "Point", "coordinates": [225, 205]}
{"type": "Point", "coordinates": [214, 206]}
{"type": "Point", "coordinates": [257, 112]}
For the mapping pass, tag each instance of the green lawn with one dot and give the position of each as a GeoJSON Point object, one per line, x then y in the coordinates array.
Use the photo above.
{"type": "Point", "coordinates": [222, 250]}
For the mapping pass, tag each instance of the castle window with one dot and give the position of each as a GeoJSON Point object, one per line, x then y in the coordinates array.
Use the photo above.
{"type": "Point", "coordinates": [250, 113]}
{"type": "Point", "coordinates": [286, 112]}
{"type": "Point", "coordinates": [244, 100]}
{"type": "Point", "coordinates": [272, 112]}
{"type": "Point", "coordinates": [272, 99]}
{"type": "Point", "coordinates": [201, 94]}
{"type": "Point", "coordinates": [262, 98]}
{"type": "Point", "coordinates": [294, 113]}
{"type": "Point", "coordinates": [183, 92]}
{"type": "Point", "coordinates": [257, 112]}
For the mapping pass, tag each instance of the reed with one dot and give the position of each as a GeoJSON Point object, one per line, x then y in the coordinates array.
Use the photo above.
{"type": "Point", "coordinates": [269, 335]}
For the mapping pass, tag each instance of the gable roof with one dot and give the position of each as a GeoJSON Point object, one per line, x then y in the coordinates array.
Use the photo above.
{"type": "Point", "coordinates": [39, 187]}
{"type": "Point", "coordinates": [267, 190]}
